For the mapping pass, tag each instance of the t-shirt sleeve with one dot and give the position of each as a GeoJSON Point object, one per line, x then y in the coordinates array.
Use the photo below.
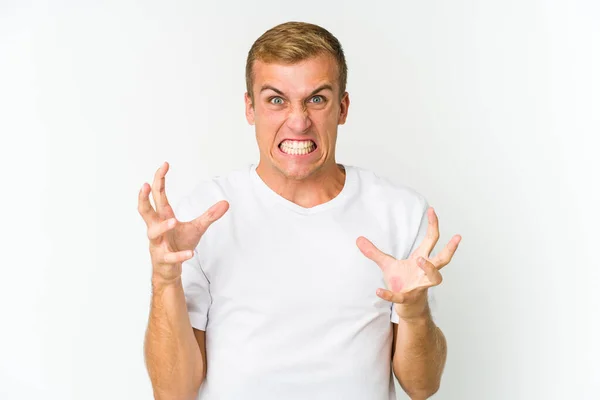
{"type": "Point", "coordinates": [196, 289]}
{"type": "Point", "coordinates": [196, 286]}
{"type": "Point", "coordinates": [419, 237]}
{"type": "Point", "coordinates": [422, 231]}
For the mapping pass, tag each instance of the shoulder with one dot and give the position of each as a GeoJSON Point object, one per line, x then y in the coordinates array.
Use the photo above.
{"type": "Point", "coordinates": [207, 192]}
{"type": "Point", "coordinates": [391, 194]}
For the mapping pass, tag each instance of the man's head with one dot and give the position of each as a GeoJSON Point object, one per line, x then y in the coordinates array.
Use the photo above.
{"type": "Point", "coordinates": [296, 81]}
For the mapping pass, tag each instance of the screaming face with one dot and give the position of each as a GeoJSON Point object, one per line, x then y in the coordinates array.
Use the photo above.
{"type": "Point", "coordinates": [296, 109]}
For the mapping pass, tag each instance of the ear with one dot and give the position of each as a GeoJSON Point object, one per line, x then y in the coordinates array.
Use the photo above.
{"type": "Point", "coordinates": [249, 109]}
{"type": "Point", "coordinates": [344, 108]}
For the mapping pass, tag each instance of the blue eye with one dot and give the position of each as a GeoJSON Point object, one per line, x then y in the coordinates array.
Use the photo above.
{"type": "Point", "coordinates": [276, 100]}
{"type": "Point", "coordinates": [317, 99]}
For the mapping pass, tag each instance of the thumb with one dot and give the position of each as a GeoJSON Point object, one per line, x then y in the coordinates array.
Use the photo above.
{"type": "Point", "coordinates": [211, 215]}
{"type": "Point", "coordinates": [373, 253]}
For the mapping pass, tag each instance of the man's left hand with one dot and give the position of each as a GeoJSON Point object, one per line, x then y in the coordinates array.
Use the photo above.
{"type": "Point", "coordinates": [409, 280]}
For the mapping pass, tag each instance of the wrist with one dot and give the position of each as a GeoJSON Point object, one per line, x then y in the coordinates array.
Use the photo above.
{"type": "Point", "coordinates": [423, 318]}
{"type": "Point", "coordinates": [413, 312]}
{"type": "Point", "coordinates": [159, 283]}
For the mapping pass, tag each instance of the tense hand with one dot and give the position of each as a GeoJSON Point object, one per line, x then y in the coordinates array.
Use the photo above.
{"type": "Point", "coordinates": [171, 241]}
{"type": "Point", "coordinates": [408, 280]}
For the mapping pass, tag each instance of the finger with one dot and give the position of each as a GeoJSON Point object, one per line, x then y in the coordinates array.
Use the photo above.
{"type": "Point", "coordinates": [394, 297]}
{"type": "Point", "coordinates": [156, 230]}
{"type": "Point", "coordinates": [373, 253]}
{"type": "Point", "coordinates": [211, 215]}
{"type": "Point", "coordinates": [430, 270]}
{"type": "Point", "coordinates": [158, 190]}
{"type": "Point", "coordinates": [144, 207]}
{"type": "Point", "coordinates": [432, 235]}
{"type": "Point", "coordinates": [401, 297]}
{"type": "Point", "coordinates": [445, 256]}
{"type": "Point", "coordinates": [177, 257]}
{"type": "Point", "coordinates": [388, 295]}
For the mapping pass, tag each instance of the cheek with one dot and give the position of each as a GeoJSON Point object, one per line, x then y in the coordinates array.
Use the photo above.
{"type": "Point", "coordinates": [327, 116]}
{"type": "Point", "coordinates": [267, 125]}
{"type": "Point", "coordinates": [326, 124]}
{"type": "Point", "coordinates": [269, 118]}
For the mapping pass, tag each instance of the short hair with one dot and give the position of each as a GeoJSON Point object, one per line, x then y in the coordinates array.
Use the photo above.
{"type": "Point", "coordinates": [292, 42]}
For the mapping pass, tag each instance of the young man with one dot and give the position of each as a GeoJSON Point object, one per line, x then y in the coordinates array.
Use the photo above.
{"type": "Point", "coordinates": [283, 297]}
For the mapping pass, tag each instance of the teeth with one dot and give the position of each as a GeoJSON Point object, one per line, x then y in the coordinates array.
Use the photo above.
{"type": "Point", "coordinates": [297, 144]}
{"type": "Point", "coordinates": [296, 152]}
{"type": "Point", "coordinates": [295, 147]}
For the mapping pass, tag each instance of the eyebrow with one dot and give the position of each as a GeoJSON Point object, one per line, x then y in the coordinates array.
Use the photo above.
{"type": "Point", "coordinates": [326, 86]}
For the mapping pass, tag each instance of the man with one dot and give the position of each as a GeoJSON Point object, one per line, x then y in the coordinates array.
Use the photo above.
{"type": "Point", "coordinates": [282, 297]}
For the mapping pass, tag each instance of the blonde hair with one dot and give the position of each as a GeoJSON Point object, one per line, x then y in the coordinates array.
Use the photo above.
{"type": "Point", "coordinates": [292, 42]}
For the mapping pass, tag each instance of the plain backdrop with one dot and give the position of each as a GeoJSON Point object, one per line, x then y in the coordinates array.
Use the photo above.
{"type": "Point", "coordinates": [488, 108]}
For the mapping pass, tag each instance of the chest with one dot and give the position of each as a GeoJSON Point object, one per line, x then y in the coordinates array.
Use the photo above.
{"type": "Point", "coordinates": [295, 261]}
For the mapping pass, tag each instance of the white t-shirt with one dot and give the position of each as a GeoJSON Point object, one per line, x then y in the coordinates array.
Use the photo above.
{"type": "Point", "coordinates": [285, 296]}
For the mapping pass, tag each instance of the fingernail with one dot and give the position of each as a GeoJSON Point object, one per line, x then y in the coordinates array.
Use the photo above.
{"type": "Point", "coordinates": [171, 222]}
{"type": "Point", "coordinates": [420, 260]}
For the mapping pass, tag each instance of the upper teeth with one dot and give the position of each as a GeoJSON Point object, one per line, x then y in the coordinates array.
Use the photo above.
{"type": "Point", "coordinates": [297, 144]}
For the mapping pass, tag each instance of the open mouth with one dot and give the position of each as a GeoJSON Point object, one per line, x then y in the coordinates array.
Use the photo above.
{"type": "Point", "coordinates": [297, 147]}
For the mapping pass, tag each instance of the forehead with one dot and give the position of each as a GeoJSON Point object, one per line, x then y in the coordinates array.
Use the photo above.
{"type": "Point", "coordinates": [301, 76]}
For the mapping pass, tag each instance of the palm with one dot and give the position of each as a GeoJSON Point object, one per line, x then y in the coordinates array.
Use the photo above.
{"type": "Point", "coordinates": [404, 275]}
{"type": "Point", "coordinates": [407, 280]}
{"type": "Point", "coordinates": [171, 241]}
{"type": "Point", "coordinates": [185, 236]}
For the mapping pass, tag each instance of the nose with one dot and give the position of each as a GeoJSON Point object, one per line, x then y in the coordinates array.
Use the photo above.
{"type": "Point", "coordinates": [298, 120]}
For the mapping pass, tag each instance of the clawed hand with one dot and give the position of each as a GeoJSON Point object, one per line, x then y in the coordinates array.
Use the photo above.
{"type": "Point", "coordinates": [408, 280]}
{"type": "Point", "coordinates": [171, 241]}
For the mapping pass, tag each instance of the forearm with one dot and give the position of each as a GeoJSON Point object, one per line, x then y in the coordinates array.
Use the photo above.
{"type": "Point", "coordinates": [172, 354]}
{"type": "Point", "coordinates": [419, 356]}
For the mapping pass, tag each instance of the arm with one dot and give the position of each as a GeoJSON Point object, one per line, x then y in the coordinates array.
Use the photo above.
{"type": "Point", "coordinates": [418, 355]}
{"type": "Point", "coordinates": [419, 347]}
{"type": "Point", "coordinates": [175, 353]}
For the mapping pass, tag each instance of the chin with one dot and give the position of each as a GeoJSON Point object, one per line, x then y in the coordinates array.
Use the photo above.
{"type": "Point", "coordinates": [298, 172]}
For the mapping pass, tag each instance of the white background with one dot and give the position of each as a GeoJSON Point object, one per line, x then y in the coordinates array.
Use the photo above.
{"type": "Point", "coordinates": [491, 109]}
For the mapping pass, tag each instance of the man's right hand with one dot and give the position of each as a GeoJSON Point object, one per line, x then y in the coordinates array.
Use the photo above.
{"type": "Point", "coordinates": [171, 242]}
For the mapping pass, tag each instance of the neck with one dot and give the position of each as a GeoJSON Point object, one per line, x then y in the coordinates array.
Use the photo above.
{"type": "Point", "coordinates": [319, 188]}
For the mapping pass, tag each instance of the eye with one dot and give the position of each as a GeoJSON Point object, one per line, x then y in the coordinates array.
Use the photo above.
{"type": "Point", "coordinates": [276, 100]}
{"type": "Point", "coordinates": [317, 99]}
